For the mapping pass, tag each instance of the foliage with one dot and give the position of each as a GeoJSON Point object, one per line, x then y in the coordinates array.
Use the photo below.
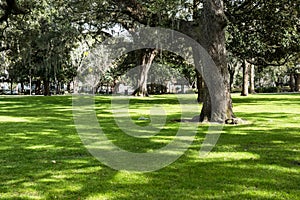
{"type": "Point", "coordinates": [38, 36]}
{"type": "Point", "coordinates": [39, 43]}
{"type": "Point", "coordinates": [267, 90]}
{"type": "Point", "coordinates": [264, 32]}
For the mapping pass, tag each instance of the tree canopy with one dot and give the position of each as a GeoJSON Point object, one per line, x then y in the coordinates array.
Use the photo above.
{"type": "Point", "coordinates": [38, 38]}
{"type": "Point", "coordinates": [264, 32]}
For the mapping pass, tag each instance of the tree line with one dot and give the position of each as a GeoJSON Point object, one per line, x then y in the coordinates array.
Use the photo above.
{"type": "Point", "coordinates": [40, 39]}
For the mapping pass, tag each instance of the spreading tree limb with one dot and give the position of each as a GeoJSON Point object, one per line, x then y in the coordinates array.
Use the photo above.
{"type": "Point", "coordinates": [11, 8]}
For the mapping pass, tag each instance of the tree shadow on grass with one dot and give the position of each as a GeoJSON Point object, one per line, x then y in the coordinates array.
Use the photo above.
{"type": "Point", "coordinates": [267, 98]}
{"type": "Point", "coordinates": [77, 175]}
{"type": "Point", "coordinates": [44, 158]}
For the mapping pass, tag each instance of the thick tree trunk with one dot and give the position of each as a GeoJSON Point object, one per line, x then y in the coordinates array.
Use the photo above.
{"type": "Point", "coordinates": [252, 79]}
{"type": "Point", "coordinates": [213, 40]}
{"type": "Point", "coordinates": [148, 56]}
{"type": "Point", "coordinates": [245, 86]}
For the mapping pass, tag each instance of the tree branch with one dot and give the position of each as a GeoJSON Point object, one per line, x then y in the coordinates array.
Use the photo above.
{"type": "Point", "coordinates": [11, 8]}
{"type": "Point", "coordinates": [263, 62]}
{"type": "Point", "coordinates": [4, 48]}
{"type": "Point", "coordinates": [134, 10]}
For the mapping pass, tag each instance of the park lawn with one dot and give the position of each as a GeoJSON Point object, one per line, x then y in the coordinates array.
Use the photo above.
{"type": "Point", "coordinates": [42, 156]}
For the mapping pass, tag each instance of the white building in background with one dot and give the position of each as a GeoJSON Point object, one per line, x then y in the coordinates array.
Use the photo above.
{"type": "Point", "coordinates": [3, 77]}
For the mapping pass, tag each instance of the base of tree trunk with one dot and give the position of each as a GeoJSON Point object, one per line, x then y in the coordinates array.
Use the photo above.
{"type": "Point", "coordinates": [138, 92]}
{"type": "Point", "coordinates": [232, 121]}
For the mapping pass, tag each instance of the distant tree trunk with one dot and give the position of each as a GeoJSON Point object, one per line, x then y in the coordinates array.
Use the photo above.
{"type": "Point", "coordinates": [297, 82]}
{"type": "Point", "coordinates": [245, 86]}
{"type": "Point", "coordinates": [115, 86]}
{"type": "Point", "coordinates": [38, 87]}
{"type": "Point", "coordinates": [252, 79]}
{"type": "Point", "coordinates": [11, 86]}
{"type": "Point", "coordinates": [22, 87]}
{"type": "Point", "coordinates": [148, 56]}
{"type": "Point", "coordinates": [200, 87]}
{"type": "Point", "coordinates": [69, 86]}
{"type": "Point", "coordinates": [46, 83]}
{"type": "Point", "coordinates": [213, 40]}
{"type": "Point", "coordinates": [292, 82]}
{"type": "Point", "coordinates": [58, 88]}
{"type": "Point", "coordinates": [231, 70]}
{"type": "Point", "coordinates": [107, 88]}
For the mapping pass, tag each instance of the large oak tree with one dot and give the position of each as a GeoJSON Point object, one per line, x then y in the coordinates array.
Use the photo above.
{"type": "Point", "coordinates": [206, 25]}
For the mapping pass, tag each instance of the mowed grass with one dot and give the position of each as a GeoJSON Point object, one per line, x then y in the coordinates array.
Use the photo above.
{"type": "Point", "coordinates": [42, 156]}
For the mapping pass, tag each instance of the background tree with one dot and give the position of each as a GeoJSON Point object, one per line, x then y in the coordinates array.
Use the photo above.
{"type": "Point", "coordinates": [40, 41]}
{"type": "Point", "coordinates": [263, 33]}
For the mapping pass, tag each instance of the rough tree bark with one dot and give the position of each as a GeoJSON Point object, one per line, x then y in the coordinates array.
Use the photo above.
{"type": "Point", "coordinates": [148, 56]}
{"type": "Point", "coordinates": [213, 40]}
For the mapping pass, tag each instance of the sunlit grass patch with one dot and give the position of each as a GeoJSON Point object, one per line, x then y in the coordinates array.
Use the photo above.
{"type": "Point", "coordinates": [4, 119]}
{"type": "Point", "coordinates": [42, 156]}
{"type": "Point", "coordinates": [226, 156]}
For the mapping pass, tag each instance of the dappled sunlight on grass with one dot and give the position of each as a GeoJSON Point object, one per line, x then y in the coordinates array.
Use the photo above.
{"type": "Point", "coordinates": [224, 156]}
{"type": "Point", "coordinates": [42, 156]}
{"type": "Point", "coordinates": [4, 119]}
{"type": "Point", "coordinates": [41, 147]}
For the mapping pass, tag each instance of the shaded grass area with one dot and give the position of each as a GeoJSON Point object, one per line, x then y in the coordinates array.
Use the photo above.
{"type": "Point", "coordinates": [42, 156]}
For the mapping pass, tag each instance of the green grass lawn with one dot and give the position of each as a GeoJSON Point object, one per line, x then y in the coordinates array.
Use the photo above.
{"type": "Point", "coordinates": [42, 156]}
